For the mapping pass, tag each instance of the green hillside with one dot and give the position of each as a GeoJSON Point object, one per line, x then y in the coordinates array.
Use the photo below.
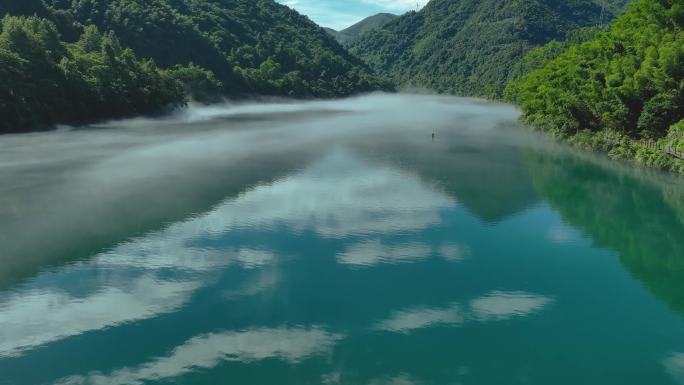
{"type": "Point", "coordinates": [44, 80]}
{"type": "Point", "coordinates": [469, 47]}
{"type": "Point", "coordinates": [205, 48]}
{"type": "Point", "coordinates": [253, 46]}
{"type": "Point", "coordinates": [625, 85]}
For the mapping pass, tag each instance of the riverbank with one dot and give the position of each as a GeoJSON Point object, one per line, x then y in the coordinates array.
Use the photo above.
{"type": "Point", "coordinates": [666, 154]}
{"type": "Point", "coordinates": [663, 154]}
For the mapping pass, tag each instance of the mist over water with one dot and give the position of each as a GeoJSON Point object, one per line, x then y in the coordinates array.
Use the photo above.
{"type": "Point", "coordinates": [334, 242]}
{"type": "Point", "coordinates": [59, 187]}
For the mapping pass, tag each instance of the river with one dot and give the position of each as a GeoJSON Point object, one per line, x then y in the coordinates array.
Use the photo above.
{"type": "Point", "coordinates": [334, 242]}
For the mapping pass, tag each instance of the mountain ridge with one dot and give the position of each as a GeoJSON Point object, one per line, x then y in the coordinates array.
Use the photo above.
{"type": "Point", "coordinates": [158, 54]}
{"type": "Point", "coordinates": [233, 39]}
{"type": "Point", "coordinates": [370, 23]}
{"type": "Point", "coordinates": [467, 47]}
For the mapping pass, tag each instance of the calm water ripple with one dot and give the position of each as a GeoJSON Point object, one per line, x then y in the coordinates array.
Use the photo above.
{"type": "Point", "coordinates": [334, 243]}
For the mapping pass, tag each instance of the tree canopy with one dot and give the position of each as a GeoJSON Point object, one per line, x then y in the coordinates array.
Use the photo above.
{"type": "Point", "coordinates": [629, 79]}
{"type": "Point", "coordinates": [251, 46]}
{"type": "Point", "coordinates": [44, 80]}
{"type": "Point", "coordinates": [469, 47]}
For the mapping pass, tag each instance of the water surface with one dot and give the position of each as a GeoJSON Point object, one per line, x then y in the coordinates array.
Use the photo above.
{"type": "Point", "coordinates": [334, 243]}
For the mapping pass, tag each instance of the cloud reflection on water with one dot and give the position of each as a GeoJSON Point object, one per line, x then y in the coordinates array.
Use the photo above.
{"type": "Point", "coordinates": [37, 317]}
{"type": "Point", "coordinates": [208, 351]}
{"type": "Point", "coordinates": [495, 306]}
{"type": "Point", "coordinates": [404, 321]}
{"type": "Point", "coordinates": [502, 305]}
{"type": "Point", "coordinates": [338, 197]}
{"type": "Point", "coordinates": [674, 365]}
{"type": "Point", "coordinates": [157, 273]}
{"type": "Point", "coordinates": [372, 252]}
{"type": "Point", "coordinates": [403, 379]}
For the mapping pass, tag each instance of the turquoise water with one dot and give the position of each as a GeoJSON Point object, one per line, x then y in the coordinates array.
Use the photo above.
{"type": "Point", "coordinates": [334, 243]}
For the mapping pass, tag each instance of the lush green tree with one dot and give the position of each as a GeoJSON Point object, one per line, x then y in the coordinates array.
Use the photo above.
{"type": "Point", "coordinates": [199, 84]}
{"type": "Point", "coordinates": [71, 61]}
{"type": "Point", "coordinates": [675, 136]}
{"type": "Point", "coordinates": [45, 81]}
{"type": "Point", "coordinates": [471, 47]}
{"type": "Point", "coordinates": [628, 79]}
{"type": "Point", "coordinates": [538, 57]}
{"type": "Point", "coordinates": [234, 39]}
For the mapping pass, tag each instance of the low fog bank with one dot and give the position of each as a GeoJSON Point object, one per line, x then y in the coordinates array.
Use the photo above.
{"type": "Point", "coordinates": [71, 193]}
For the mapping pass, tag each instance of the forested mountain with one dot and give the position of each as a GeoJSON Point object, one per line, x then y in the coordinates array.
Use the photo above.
{"type": "Point", "coordinates": [368, 24]}
{"type": "Point", "coordinates": [331, 32]}
{"type": "Point", "coordinates": [625, 83]}
{"type": "Point", "coordinates": [204, 47]}
{"type": "Point", "coordinates": [538, 57]}
{"type": "Point", "coordinates": [256, 46]}
{"type": "Point", "coordinates": [469, 47]}
{"type": "Point", "coordinates": [44, 80]}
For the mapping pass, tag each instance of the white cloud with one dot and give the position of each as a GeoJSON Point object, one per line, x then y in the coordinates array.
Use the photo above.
{"type": "Point", "coordinates": [405, 321]}
{"type": "Point", "coordinates": [208, 351]}
{"type": "Point", "coordinates": [373, 252]}
{"type": "Point", "coordinates": [674, 364]}
{"type": "Point", "coordinates": [360, 201]}
{"type": "Point", "coordinates": [402, 379]}
{"type": "Point", "coordinates": [122, 297]}
{"type": "Point", "coordinates": [337, 198]}
{"type": "Point", "coordinates": [495, 306]}
{"type": "Point", "coordinates": [453, 252]}
{"type": "Point", "coordinates": [35, 318]}
{"type": "Point", "coordinates": [501, 305]}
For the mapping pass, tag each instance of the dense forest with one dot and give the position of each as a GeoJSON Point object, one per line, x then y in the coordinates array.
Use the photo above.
{"type": "Point", "coordinates": [623, 86]}
{"type": "Point", "coordinates": [615, 86]}
{"type": "Point", "coordinates": [44, 80]}
{"type": "Point", "coordinates": [74, 61]}
{"type": "Point", "coordinates": [253, 46]}
{"type": "Point", "coordinates": [470, 47]}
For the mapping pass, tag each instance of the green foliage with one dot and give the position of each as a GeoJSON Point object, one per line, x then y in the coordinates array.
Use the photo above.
{"type": "Point", "coordinates": [629, 79]}
{"type": "Point", "coordinates": [44, 80]}
{"type": "Point", "coordinates": [62, 20]}
{"type": "Point", "coordinates": [71, 61]}
{"type": "Point", "coordinates": [538, 57]}
{"type": "Point", "coordinates": [675, 136]}
{"type": "Point", "coordinates": [233, 39]}
{"type": "Point", "coordinates": [198, 83]}
{"type": "Point", "coordinates": [470, 47]}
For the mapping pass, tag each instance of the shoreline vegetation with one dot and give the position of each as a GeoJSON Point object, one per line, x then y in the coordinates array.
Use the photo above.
{"type": "Point", "coordinates": [620, 92]}
{"type": "Point", "coordinates": [615, 88]}
{"type": "Point", "coordinates": [665, 154]}
{"type": "Point", "coordinates": [65, 62]}
{"type": "Point", "coordinates": [601, 75]}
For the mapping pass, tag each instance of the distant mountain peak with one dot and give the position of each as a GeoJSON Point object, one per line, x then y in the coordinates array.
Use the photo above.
{"type": "Point", "coordinates": [370, 23]}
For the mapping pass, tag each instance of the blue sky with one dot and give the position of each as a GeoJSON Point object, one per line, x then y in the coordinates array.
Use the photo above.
{"type": "Point", "coordinates": [340, 14]}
